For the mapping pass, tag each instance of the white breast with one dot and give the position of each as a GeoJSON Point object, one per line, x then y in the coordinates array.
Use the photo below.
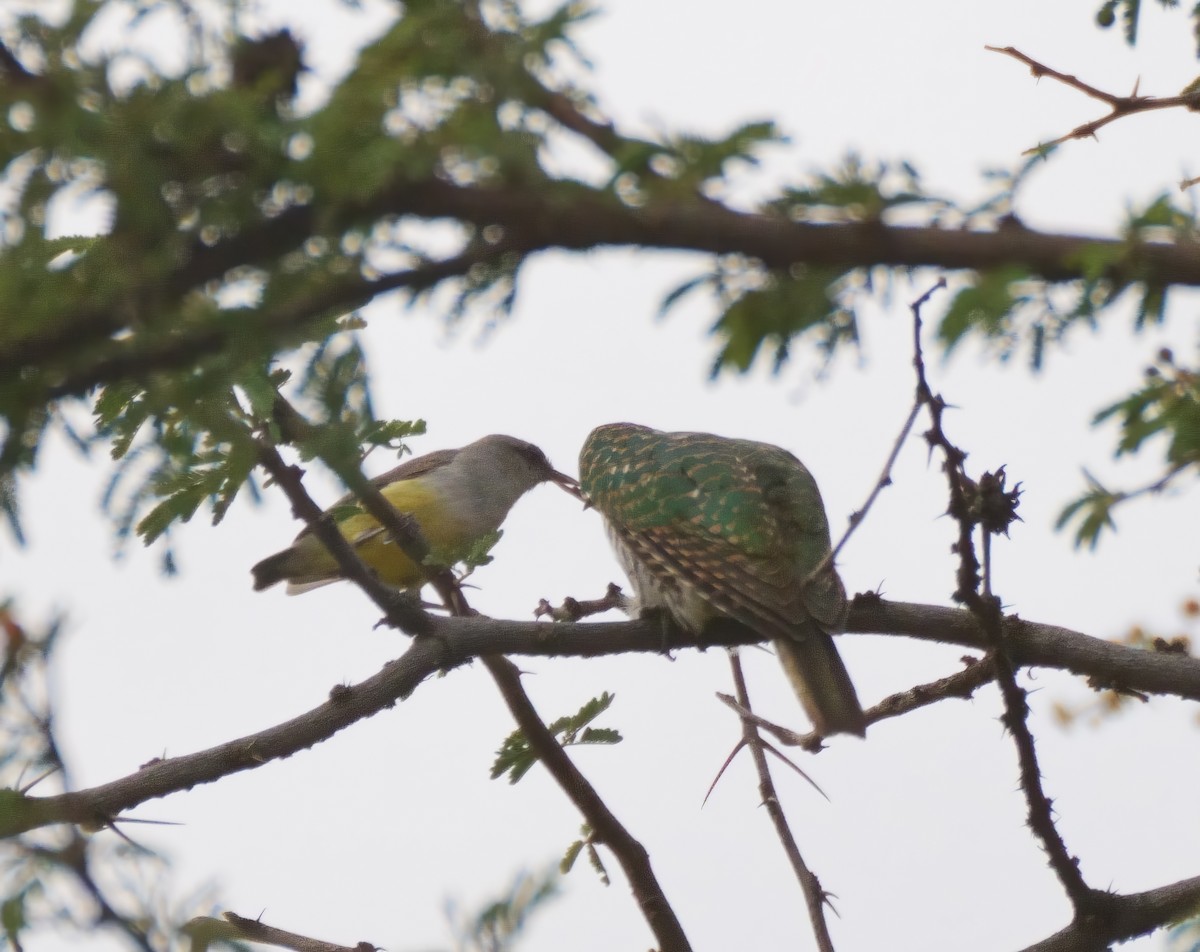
{"type": "Point", "coordinates": [683, 602]}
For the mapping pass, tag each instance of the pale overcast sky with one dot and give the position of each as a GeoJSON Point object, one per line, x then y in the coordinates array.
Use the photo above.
{"type": "Point", "coordinates": [365, 836]}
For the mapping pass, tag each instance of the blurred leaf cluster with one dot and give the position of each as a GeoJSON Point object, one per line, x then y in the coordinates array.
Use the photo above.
{"type": "Point", "coordinates": [1165, 409]}
{"type": "Point", "coordinates": [239, 231]}
{"type": "Point", "coordinates": [498, 925]}
{"type": "Point", "coordinates": [1129, 12]}
{"type": "Point", "coordinates": [515, 757]}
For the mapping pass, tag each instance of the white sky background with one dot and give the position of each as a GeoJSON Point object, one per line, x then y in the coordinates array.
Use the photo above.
{"type": "Point", "coordinates": [365, 836]}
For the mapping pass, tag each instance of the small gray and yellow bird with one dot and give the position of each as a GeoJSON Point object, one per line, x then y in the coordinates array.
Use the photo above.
{"type": "Point", "coordinates": [708, 527]}
{"type": "Point", "coordinates": [457, 497]}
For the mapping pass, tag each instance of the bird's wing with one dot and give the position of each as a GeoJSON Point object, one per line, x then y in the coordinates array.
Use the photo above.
{"type": "Point", "coordinates": [412, 468]}
{"type": "Point", "coordinates": [741, 523]}
{"type": "Point", "coordinates": [801, 531]}
{"type": "Point", "coordinates": [409, 469]}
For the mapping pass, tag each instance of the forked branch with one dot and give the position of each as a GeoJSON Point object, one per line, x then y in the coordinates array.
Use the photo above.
{"type": "Point", "coordinates": [1119, 106]}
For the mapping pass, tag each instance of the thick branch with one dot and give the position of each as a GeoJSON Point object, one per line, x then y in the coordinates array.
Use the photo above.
{"type": "Point", "coordinates": [574, 217]}
{"type": "Point", "coordinates": [455, 641]}
{"type": "Point", "coordinates": [578, 218]}
{"type": "Point", "coordinates": [1116, 918]}
{"type": "Point", "coordinates": [1033, 644]}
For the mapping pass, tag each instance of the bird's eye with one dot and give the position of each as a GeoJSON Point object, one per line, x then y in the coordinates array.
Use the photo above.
{"type": "Point", "coordinates": [535, 456]}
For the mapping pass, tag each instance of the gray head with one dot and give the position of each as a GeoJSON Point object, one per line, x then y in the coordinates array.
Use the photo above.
{"type": "Point", "coordinates": [514, 460]}
{"type": "Point", "coordinates": [508, 467]}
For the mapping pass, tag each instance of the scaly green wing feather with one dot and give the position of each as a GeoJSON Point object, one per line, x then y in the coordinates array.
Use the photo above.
{"type": "Point", "coordinates": [740, 522]}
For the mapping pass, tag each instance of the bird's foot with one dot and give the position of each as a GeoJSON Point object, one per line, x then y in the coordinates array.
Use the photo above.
{"type": "Point", "coordinates": [573, 609]}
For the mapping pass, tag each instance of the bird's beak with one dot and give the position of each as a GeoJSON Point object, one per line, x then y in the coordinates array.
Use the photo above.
{"type": "Point", "coordinates": [568, 484]}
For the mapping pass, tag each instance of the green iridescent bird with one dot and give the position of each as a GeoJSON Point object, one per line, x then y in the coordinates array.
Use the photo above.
{"type": "Point", "coordinates": [709, 527]}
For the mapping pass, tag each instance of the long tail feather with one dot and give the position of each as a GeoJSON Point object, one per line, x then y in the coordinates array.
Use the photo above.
{"type": "Point", "coordinates": [822, 683]}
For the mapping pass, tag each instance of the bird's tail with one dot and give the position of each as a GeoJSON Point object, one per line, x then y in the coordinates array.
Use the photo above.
{"type": "Point", "coordinates": [815, 668]}
{"type": "Point", "coordinates": [272, 569]}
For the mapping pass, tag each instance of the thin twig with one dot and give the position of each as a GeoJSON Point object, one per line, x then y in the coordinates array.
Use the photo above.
{"type": "Point", "coordinates": [757, 721]}
{"type": "Point", "coordinates": [885, 477]}
{"type": "Point", "coordinates": [814, 896]}
{"type": "Point", "coordinates": [75, 855]}
{"type": "Point", "coordinates": [1039, 70]}
{"type": "Point", "coordinates": [204, 930]}
{"type": "Point", "coordinates": [1120, 106]}
{"type": "Point", "coordinates": [885, 480]}
{"type": "Point", "coordinates": [962, 684]}
{"type": "Point", "coordinates": [75, 858]}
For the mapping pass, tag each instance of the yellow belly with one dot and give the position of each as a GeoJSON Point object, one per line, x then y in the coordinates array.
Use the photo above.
{"type": "Point", "coordinates": [446, 535]}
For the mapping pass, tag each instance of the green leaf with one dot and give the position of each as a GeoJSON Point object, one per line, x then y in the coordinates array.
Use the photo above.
{"type": "Point", "coordinates": [515, 757]}
{"type": "Point", "coordinates": [178, 507]}
{"type": "Point", "coordinates": [1093, 510]}
{"type": "Point", "coordinates": [1168, 405]}
{"type": "Point", "coordinates": [805, 301]}
{"type": "Point", "coordinates": [8, 505]}
{"type": "Point", "coordinates": [858, 191]}
{"type": "Point", "coordinates": [13, 919]}
{"type": "Point", "coordinates": [479, 552]}
{"type": "Point", "coordinates": [1096, 260]}
{"type": "Point", "coordinates": [599, 735]}
{"type": "Point", "coordinates": [568, 861]}
{"type": "Point", "coordinates": [262, 389]}
{"type": "Point", "coordinates": [234, 473]}
{"type": "Point", "coordinates": [985, 308]}
{"type": "Point", "coordinates": [597, 863]}
{"type": "Point", "coordinates": [498, 925]}
{"type": "Point", "coordinates": [390, 433]}
{"type": "Point", "coordinates": [678, 293]}
{"type": "Point", "coordinates": [500, 922]}
{"type": "Point", "coordinates": [570, 728]}
{"type": "Point", "coordinates": [585, 844]}
{"type": "Point", "coordinates": [342, 512]}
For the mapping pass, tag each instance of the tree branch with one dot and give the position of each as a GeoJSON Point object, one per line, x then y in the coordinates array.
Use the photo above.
{"type": "Point", "coordinates": [455, 641]}
{"type": "Point", "coordinates": [1116, 918]}
{"type": "Point", "coordinates": [566, 215]}
{"type": "Point", "coordinates": [130, 357]}
{"type": "Point", "coordinates": [574, 217]}
{"type": "Point", "coordinates": [399, 610]}
{"type": "Point", "coordinates": [630, 853]}
{"type": "Point", "coordinates": [405, 533]}
{"type": "Point", "coordinates": [985, 506]}
{"type": "Point", "coordinates": [962, 684]}
{"type": "Point", "coordinates": [814, 894]}
{"type": "Point", "coordinates": [1034, 644]}
{"type": "Point", "coordinates": [204, 930]}
{"type": "Point", "coordinates": [1120, 106]}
